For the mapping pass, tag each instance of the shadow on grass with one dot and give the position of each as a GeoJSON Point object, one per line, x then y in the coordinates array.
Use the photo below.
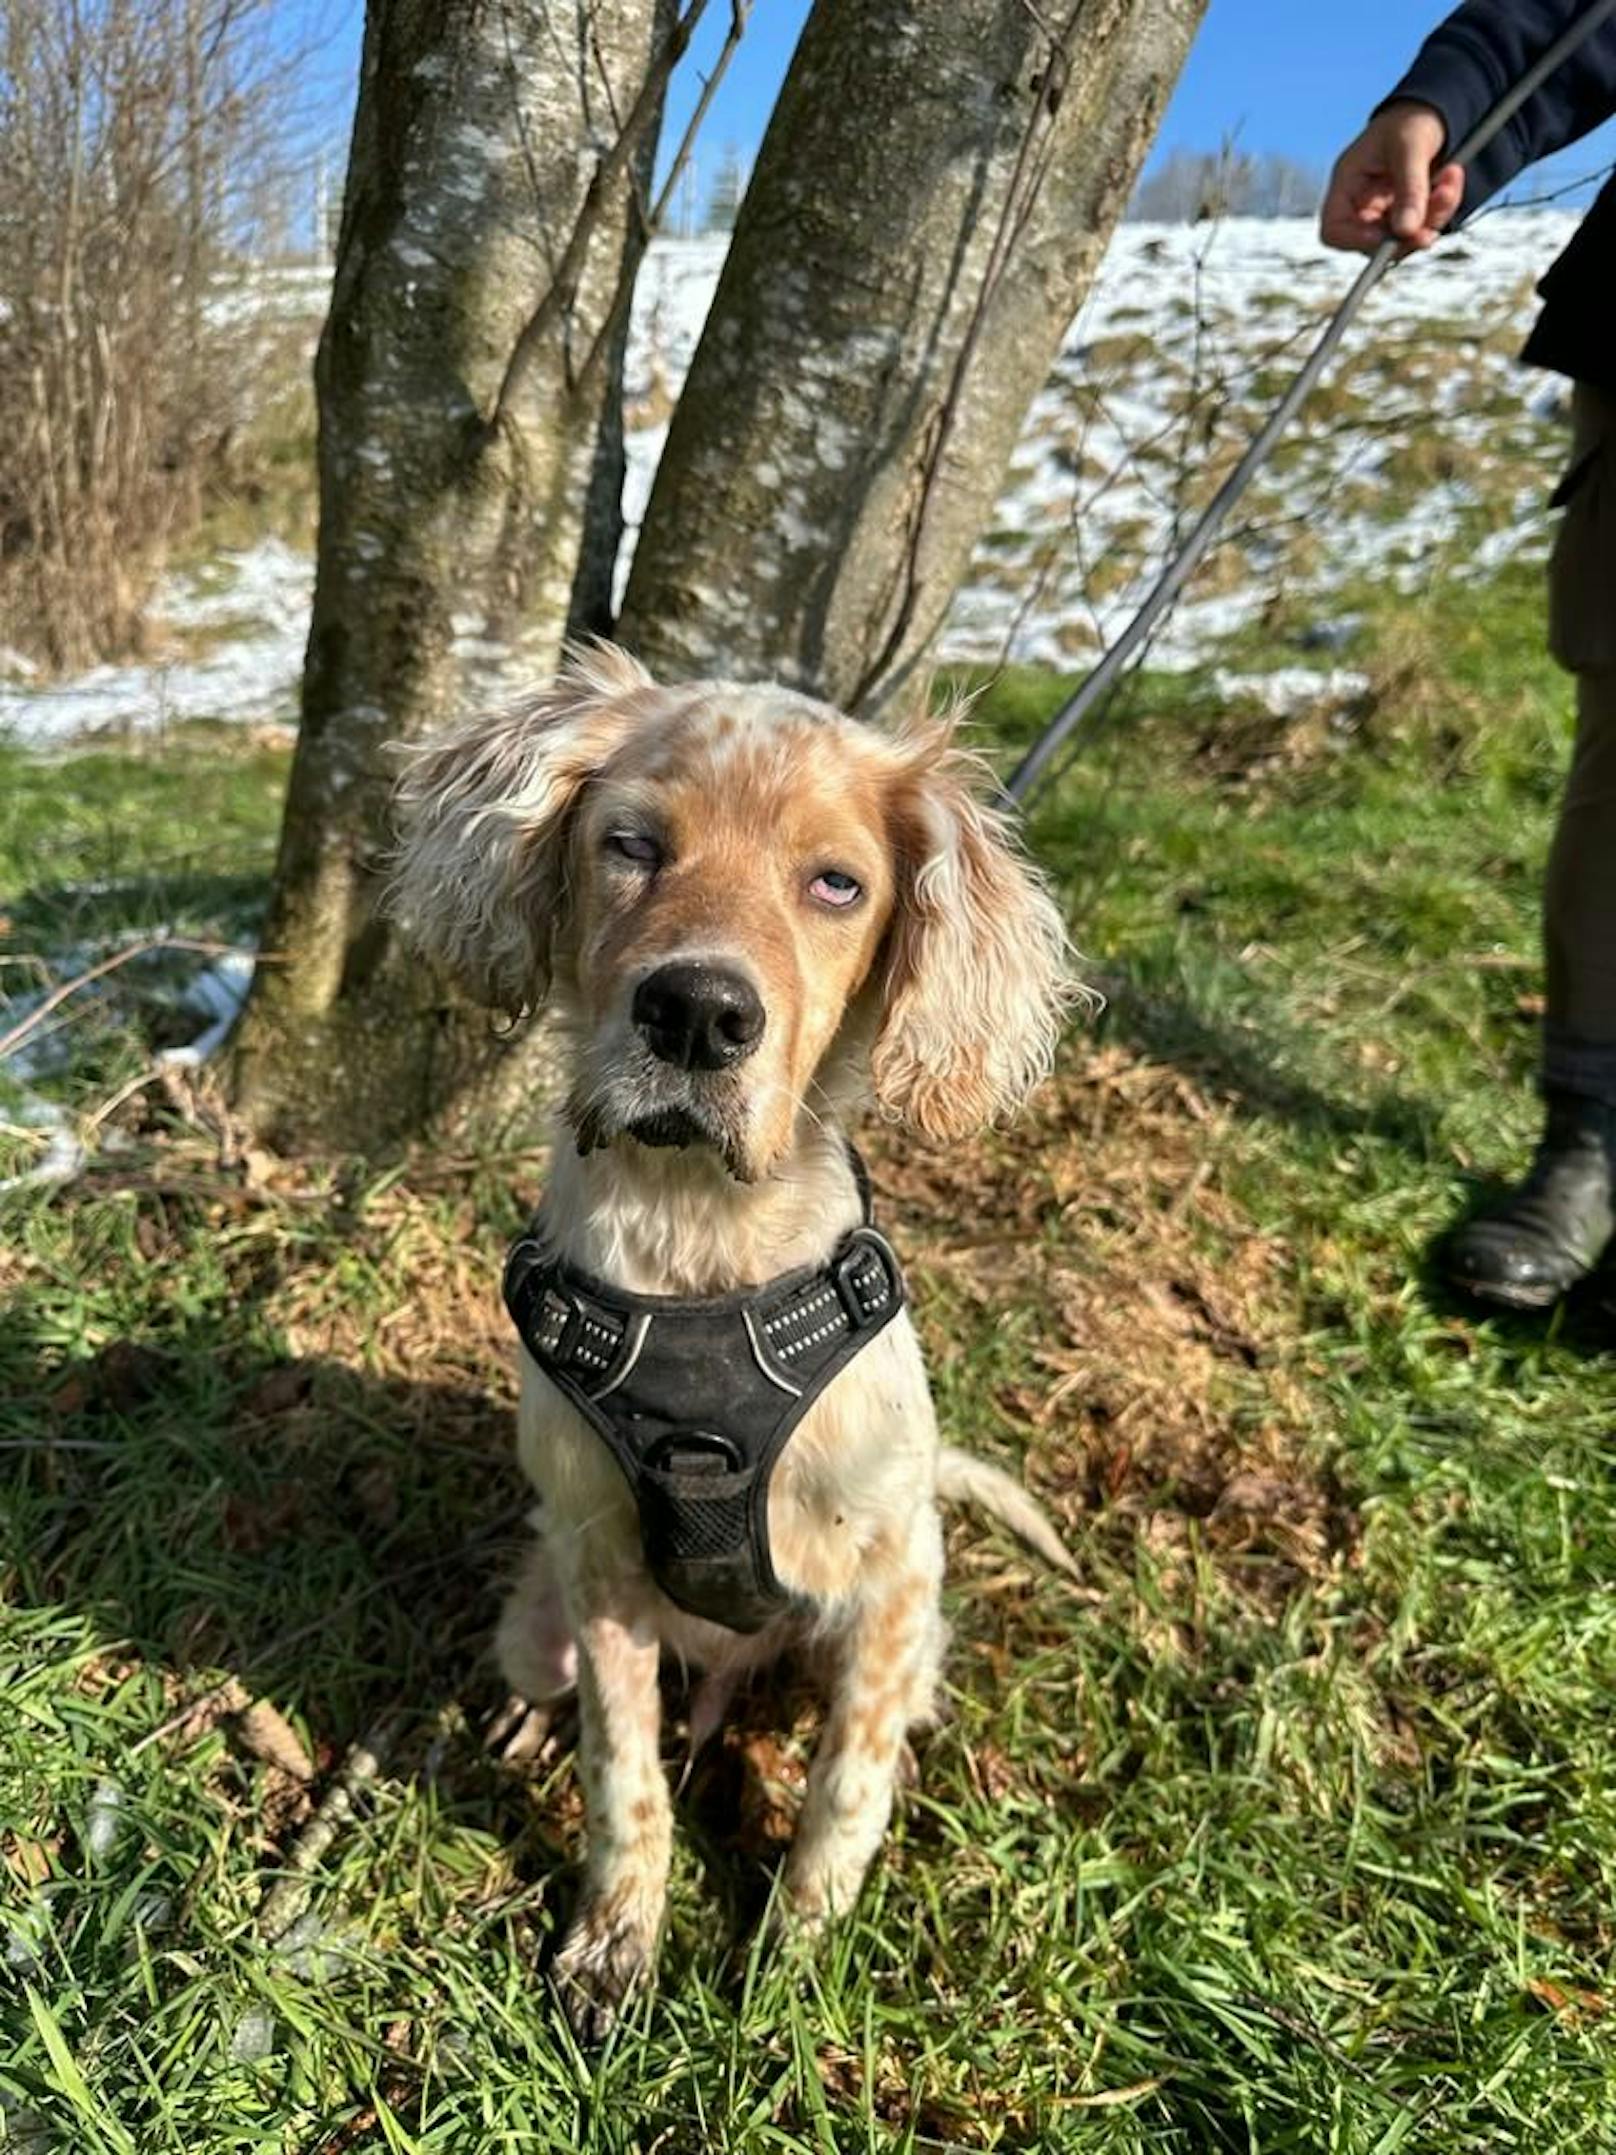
{"type": "Point", "coordinates": [50, 914]}
{"type": "Point", "coordinates": [1230, 1063]}
{"type": "Point", "coordinates": [332, 1537]}
{"type": "Point", "coordinates": [339, 1542]}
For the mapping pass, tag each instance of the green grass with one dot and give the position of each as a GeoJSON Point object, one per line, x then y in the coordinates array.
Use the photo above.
{"type": "Point", "coordinates": [1296, 1831]}
{"type": "Point", "coordinates": [114, 840]}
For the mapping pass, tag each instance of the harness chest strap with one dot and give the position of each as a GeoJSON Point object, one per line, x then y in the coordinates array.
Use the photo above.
{"type": "Point", "coordinates": [697, 1399]}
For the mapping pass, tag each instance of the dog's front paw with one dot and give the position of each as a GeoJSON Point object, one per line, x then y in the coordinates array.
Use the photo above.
{"type": "Point", "coordinates": [791, 1929]}
{"type": "Point", "coordinates": [605, 1957]}
{"type": "Point", "coordinates": [813, 1897]}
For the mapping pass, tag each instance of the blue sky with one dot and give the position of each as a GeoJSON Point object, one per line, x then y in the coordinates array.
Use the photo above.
{"type": "Point", "coordinates": [1296, 79]}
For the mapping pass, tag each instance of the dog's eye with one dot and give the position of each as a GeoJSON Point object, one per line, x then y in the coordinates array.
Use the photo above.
{"type": "Point", "coordinates": [634, 846]}
{"type": "Point", "coordinates": [832, 887]}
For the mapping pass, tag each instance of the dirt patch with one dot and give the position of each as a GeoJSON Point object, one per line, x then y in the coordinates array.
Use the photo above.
{"type": "Point", "coordinates": [1154, 1369]}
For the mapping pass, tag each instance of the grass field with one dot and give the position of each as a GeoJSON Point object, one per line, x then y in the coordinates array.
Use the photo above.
{"type": "Point", "coordinates": [1293, 1829]}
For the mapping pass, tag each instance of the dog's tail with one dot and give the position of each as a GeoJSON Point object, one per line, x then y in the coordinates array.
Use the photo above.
{"type": "Point", "coordinates": [962, 1479]}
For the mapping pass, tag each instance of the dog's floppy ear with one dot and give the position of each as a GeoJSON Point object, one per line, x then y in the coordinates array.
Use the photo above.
{"type": "Point", "coordinates": [977, 980]}
{"type": "Point", "coordinates": [483, 812]}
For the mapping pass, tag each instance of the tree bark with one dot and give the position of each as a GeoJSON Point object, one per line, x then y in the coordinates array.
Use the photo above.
{"type": "Point", "coordinates": [935, 191]}
{"type": "Point", "coordinates": [466, 510]}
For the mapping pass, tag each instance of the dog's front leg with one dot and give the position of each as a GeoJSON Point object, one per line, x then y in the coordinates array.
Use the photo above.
{"type": "Point", "coordinates": [611, 1944]}
{"type": "Point", "coordinates": [886, 1685]}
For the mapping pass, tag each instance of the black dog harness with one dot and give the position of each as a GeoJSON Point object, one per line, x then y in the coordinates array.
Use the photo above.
{"type": "Point", "coordinates": [696, 1400]}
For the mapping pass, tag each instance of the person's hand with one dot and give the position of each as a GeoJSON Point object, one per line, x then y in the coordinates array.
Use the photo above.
{"type": "Point", "coordinates": [1385, 184]}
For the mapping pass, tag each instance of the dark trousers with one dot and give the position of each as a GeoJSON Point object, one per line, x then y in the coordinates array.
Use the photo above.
{"type": "Point", "coordinates": [1579, 906]}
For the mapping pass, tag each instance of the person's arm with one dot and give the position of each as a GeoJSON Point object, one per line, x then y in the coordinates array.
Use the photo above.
{"type": "Point", "coordinates": [1393, 178]}
{"type": "Point", "coordinates": [1481, 51]}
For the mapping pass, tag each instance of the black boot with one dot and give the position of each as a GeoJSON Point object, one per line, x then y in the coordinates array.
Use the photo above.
{"type": "Point", "coordinates": [1550, 1231]}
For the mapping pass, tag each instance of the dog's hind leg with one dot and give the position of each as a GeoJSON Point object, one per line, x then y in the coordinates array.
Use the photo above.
{"type": "Point", "coordinates": [533, 1642]}
{"type": "Point", "coordinates": [611, 1944]}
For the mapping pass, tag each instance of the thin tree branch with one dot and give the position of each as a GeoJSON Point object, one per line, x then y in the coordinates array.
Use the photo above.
{"type": "Point", "coordinates": [143, 949]}
{"type": "Point", "coordinates": [289, 1896]}
{"type": "Point", "coordinates": [557, 301]}
{"type": "Point", "coordinates": [739, 15]}
{"type": "Point", "coordinates": [652, 219]}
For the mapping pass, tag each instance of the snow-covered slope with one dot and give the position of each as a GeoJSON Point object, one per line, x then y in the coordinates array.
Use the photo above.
{"type": "Point", "coordinates": [1428, 452]}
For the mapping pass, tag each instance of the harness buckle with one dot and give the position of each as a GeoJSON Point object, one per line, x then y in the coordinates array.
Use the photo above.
{"type": "Point", "coordinates": [553, 1324]}
{"type": "Point", "coordinates": [866, 1278]}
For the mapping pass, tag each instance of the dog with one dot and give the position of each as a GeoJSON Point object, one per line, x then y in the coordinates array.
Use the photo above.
{"type": "Point", "coordinates": [752, 915]}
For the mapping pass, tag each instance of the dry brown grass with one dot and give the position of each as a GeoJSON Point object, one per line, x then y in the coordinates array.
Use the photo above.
{"type": "Point", "coordinates": [1161, 1392]}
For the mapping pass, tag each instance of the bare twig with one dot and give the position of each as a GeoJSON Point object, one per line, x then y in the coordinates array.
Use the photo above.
{"type": "Point", "coordinates": [143, 949]}
{"type": "Point", "coordinates": [111, 1105]}
{"type": "Point", "coordinates": [739, 15]}
{"type": "Point", "coordinates": [287, 1899]}
{"type": "Point", "coordinates": [557, 301]}
{"type": "Point", "coordinates": [652, 219]}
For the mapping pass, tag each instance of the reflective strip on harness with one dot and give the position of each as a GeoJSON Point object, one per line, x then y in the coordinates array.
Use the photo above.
{"type": "Point", "coordinates": [696, 1399]}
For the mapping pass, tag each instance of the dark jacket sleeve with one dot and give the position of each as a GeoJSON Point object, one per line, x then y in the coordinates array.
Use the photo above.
{"type": "Point", "coordinates": [1467, 63]}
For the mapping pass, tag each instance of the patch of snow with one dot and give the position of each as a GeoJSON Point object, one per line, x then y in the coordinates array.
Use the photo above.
{"type": "Point", "coordinates": [251, 675]}
{"type": "Point", "coordinates": [1184, 343]}
{"type": "Point", "coordinates": [252, 2039]}
{"type": "Point", "coordinates": [23, 2131]}
{"type": "Point", "coordinates": [1527, 538]}
{"type": "Point", "coordinates": [63, 1157]}
{"type": "Point", "coordinates": [270, 293]}
{"type": "Point", "coordinates": [103, 1820]}
{"type": "Point", "coordinates": [1289, 689]}
{"type": "Point", "coordinates": [1229, 311]}
{"type": "Point", "coordinates": [217, 993]}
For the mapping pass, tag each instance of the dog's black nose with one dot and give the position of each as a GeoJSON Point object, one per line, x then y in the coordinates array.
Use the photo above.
{"type": "Point", "coordinates": [701, 1017]}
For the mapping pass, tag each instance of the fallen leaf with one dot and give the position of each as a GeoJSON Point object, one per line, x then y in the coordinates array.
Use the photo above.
{"type": "Point", "coordinates": [268, 1735]}
{"type": "Point", "coordinates": [1568, 2003]}
{"type": "Point", "coordinates": [31, 1862]}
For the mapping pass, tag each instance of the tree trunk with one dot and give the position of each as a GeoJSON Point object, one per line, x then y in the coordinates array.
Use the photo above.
{"type": "Point", "coordinates": [933, 196]}
{"type": "Point", "coordinates": [466, 506]}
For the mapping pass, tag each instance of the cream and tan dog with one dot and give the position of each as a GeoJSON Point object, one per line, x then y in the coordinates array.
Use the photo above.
{"type": "Point", "coordinates": [752, 914]}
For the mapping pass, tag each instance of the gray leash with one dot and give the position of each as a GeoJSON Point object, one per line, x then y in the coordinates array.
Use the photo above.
{"type": "Point", "coordinates": [1034, 766]}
